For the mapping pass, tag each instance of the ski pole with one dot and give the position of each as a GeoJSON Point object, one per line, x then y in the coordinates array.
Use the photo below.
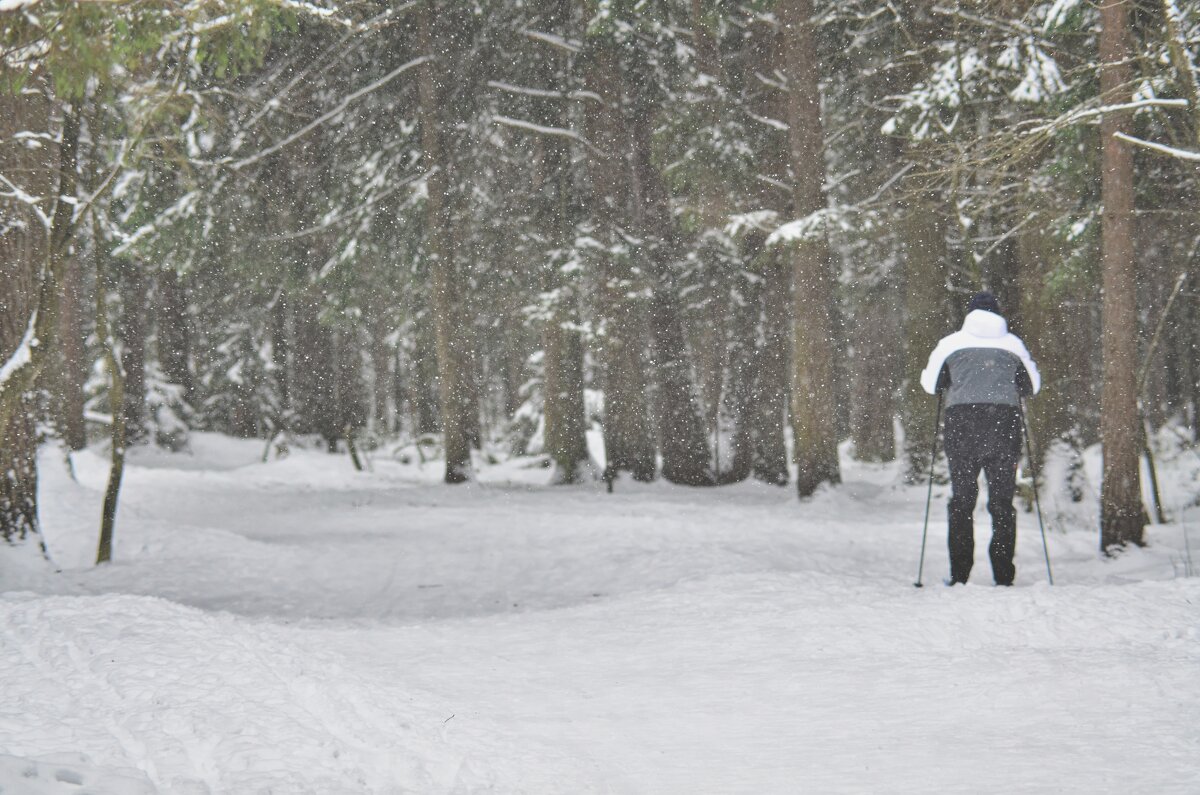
{"type": "Point", "coordinates": [937, 419]}
{"type": "Point", "coordinates": [1036, 500]}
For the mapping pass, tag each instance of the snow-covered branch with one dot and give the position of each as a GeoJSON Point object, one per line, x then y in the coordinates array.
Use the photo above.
{"type": "Point", "coordinates": [23, 355]}
{"type": "Point", "coordinates": [560, 132]}
{"type": "Point", "coordinates": [21, 196]}
{"type": "Point", "coordinates": [555, 41]}
{"type": "Point", "coordinates": [542, 92]}
{"type": "Point", "coordinates": [1077, 116]}
{"type": "Point", "coordinates": [1170, 151]}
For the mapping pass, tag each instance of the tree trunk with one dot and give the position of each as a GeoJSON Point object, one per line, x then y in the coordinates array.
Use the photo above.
{"type": "Point", "coordinates": [423, 388]}
{"type": "Point", "coordinates": [628, 443]}
{"type": "Point", "coordinates": [923, 249]}
{"type": "Point", "coordinates": [773, 331]}
{"type": "Point", "coordinates": [873, 402]}
{"type": "Point", "coordinates": [382, 415]}
{"type": "Point", "coordinates": [32, 260]}
{"type": "Point", "coordinates": [315, 382]}
{"type": "Point", "coordinates": [1121, 511]}
{"type": "Point", "coordinates": [73, 370]}
{"type": "Point", "coordinates": [453, 340]}
{"type": "Point", "coordinates": [175, 332]}
{"type": "Point", "coordinates": [745, 365]}
{"type": "Point", "coordinates": [814, 406]}
{"type": "Point", "coordinates": [132, 334]}
{"type": "Point", "coordinates": [117, 400]}
{"type": "Point", "coordinates": [686, 457]}
{"type": "Point", "coordinates": [562, 343]}
{"type": "Point", "coordinates": [566, 442]}
{"type": "Point", "coordinates": [281, 358]}
{"type": "Point", "coordinates": [771, 414]}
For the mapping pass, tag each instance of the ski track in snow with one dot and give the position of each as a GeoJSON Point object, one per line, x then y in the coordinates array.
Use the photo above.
{"type": "Point", "coordinates": [296, 627]}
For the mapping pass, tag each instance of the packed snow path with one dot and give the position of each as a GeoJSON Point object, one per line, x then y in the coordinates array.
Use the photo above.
{"type": "Point", "coordinates": [295, 627]}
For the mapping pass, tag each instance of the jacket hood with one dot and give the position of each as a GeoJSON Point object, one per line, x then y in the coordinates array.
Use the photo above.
{"type": "Point", "coordinates": [982, 323]}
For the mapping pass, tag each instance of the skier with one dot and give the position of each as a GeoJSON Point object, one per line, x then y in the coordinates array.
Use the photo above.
{"type": "Point", "coordinates": [982, 371]}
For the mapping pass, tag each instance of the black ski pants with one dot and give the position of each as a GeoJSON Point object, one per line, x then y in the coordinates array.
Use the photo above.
{"type": "Point", "coordinates": [987, 437]}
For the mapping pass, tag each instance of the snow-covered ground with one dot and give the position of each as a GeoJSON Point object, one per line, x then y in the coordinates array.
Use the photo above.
{"type": "Point", "coordinates": [296, 627]}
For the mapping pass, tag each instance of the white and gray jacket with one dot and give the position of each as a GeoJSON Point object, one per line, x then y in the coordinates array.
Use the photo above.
{"type": "Point", "coordinates": [981, 363]}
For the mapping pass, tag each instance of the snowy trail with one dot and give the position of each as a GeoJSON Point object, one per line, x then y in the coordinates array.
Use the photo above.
{"type": "Point", "coordinates": [297, 628]}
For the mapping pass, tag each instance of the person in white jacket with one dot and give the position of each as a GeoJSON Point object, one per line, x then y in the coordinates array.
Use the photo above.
{"type": "Point", "coordinates": [982, 371]}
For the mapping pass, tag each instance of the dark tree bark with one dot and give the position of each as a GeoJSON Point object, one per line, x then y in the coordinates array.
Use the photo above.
{"type": "Point", "coordinates": [562, 343]}
{"type": "Point", "coordinates": [383, 358]}
{"type": "Point", "coordinates": [628, 442]}
{"type": "Point", "coordinates": [686, 456]}
{"type": "Point", "coordinates": [740, 396]}
{"type": "Point", "coordinates": [132, 334]}
{"type": "Point", "coordinates": [73, 368]}
{"type": "Point", "coordinates": [117, 400]}
{"type": "Point", "coordinates": [771, 411]}
{"type": "Point", "coordinates": [33, 257]}
{"type": "Point", "coordinates": [923, 253]}
{"type": "Point", "coordinates": [454, 354]}
{"type": "Point", "coordinates": [873, 401]}
{"type": "Point", "coordinates": [1121, 511]}
{"type": "Point", "coordinates": [423, 388]}
{"type": "Point", "coordinates": [175, 332]}
{"type": "Point", "coordinates": [773, 333]}
{"type": "Point", "coordinates": [281, 358]}
{"type": "Point", "coordinates": [314, 386]}
{"type": "Point", "coordinates": [814, 402]}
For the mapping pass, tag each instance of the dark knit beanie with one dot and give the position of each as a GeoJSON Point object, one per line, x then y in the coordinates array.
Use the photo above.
{"type": "Point", "coordinates": [985, 301]}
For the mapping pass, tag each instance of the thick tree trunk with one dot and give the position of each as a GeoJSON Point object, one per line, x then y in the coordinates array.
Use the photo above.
{"type": "Point", "coordinates": [814, 404]}
{"type": "Point", "coordinates": [1121, 511]}
{"type": "Point", "coordinates": [772, 333]}
{"type": "Point", "coordinates": [175, 332]}
{"type": "Point", "coordinates": [382, 414]}
{"type": "Point", "coordinates": [423, 387]}
{"type": "Point", "coordinates": [33, 257]}
{"type": "Point", "coordinates": [686, 457]}
{"type": "Point", "coordinates": [315, 378]}
{"type": "Point", "coordinates": [454, 353]}
{"type": "Point", "coordinates": [628, 442]}
{"type": "Point", "coordinates": [21, 251]}
{"type": "Point", "coordinates": [771, 413]}
{"type": "Point", "coordinates": [923, 251]}
{"type": "Point", "coordinates": [745, 363]}
{"type": "Point", "coordinates": [73, 369]}
{"type": "Point", "coordinates": [873, 425]}
{"type": "Point", "coordinates": [562, 343]}
{"type": "Point", "coordinates": [566, 442]}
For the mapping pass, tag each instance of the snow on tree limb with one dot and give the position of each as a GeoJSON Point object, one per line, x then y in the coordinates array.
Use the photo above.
{"type": "Point", "coordinates": [541, 92]}
{"type": "Point", "coordinates": [16, 194]}
{"type": "Point", "coordinates": [1080, 115]}
{"type": "Point", "coordinates": [560, 132]}
{"type": "Point", "coordinates": [1170, 151]}
{"type": "Point", "coordinates": [554, 41]}
{"type": "Point", "coordinates": [23, 355]}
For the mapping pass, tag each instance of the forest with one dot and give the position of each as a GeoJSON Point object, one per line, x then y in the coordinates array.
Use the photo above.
{"type": "Point", "coordinates": [702, 241]}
